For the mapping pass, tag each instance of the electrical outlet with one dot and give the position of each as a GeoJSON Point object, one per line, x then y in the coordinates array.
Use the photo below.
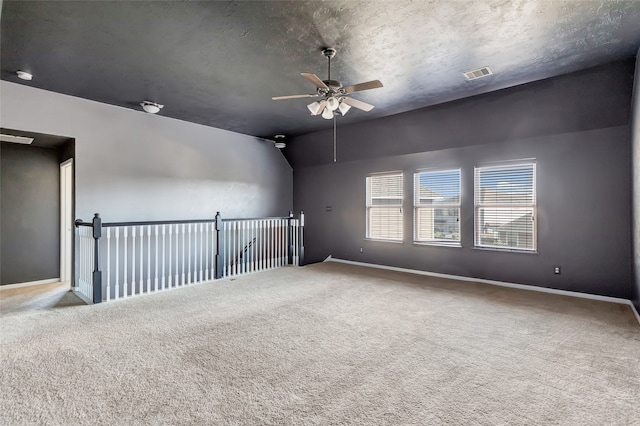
{"type": "Point", "coordinates": [556, 270]}
{"type": "Point", "coordinates": [361, 250]}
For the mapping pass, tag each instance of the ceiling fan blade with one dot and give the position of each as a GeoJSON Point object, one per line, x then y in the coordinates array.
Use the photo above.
{"type": "Point", "coordinates": [357, 104]}
{"type": "Point", "coordinates": [373, 84]}
{"type": "Point", "coordinates": [278, 98]}
{"type": "Point", "coordinates": [315, 80]}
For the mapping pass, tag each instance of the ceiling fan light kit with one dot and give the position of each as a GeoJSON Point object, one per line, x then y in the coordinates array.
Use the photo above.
{"type": "Point", "coordinates": [344, 108]}
{"type": "Point", "coordinates": [327, 113]}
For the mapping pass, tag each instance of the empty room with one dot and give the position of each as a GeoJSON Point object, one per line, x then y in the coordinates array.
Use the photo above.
{"type": "Point", "coordinates": [320, 212]}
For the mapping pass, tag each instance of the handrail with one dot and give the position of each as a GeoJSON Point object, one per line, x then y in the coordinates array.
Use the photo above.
{"type": "Point", "coordinates": [80, 222]}
{"type": "Point", "coordinates": [256, 218]}
{"type": "Point", "coordinates": [229, 247]}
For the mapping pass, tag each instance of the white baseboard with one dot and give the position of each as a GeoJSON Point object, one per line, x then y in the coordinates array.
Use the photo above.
{"type": "Point", "coordinates": [635, 312]}
{"type": "Point", "coordinates": [492, 282]}
{"type": "Point", "coordinates": [29, 283]}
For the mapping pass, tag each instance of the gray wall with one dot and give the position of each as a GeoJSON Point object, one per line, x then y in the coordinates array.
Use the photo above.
{"type": "Point", "coordinates": [576, 126]}
{"type": "Point", "coordinates": [135, 166]}
{"type": "Point", "coordinates": [30, 220]}
{"type": "Point", "coordinates": [636, 184]}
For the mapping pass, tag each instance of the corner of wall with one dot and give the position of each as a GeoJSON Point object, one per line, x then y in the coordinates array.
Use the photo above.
{"type": "Point", "coordinates": [635, 159]}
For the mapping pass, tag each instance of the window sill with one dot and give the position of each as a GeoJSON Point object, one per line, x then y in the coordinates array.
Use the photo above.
{"type": "Point", "coordinates": [437, 244]}
{"type": "Point", "coordinates": [505, 250]}
{"type": "Point", "coordinates": [379, 240]}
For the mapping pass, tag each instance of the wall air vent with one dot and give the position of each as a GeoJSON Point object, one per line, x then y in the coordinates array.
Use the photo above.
{"type": "Point", "coordinates": [15, 139]}
{"type": "Point", "coordinates": [480, 72]}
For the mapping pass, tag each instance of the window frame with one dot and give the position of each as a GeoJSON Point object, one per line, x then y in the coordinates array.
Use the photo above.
{"type": "Point", "coordinates": [370, 206]}
{"type": "Point", "coordinates": [416, 207]}
{"type": "Point", "coordinates": [532, 205]}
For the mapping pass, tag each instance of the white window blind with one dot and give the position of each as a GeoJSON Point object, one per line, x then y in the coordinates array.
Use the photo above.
{"type": "Point", "coordinates": [505, 206]}
{"type": "Point", "coordinates": [436, 201]}
{"type": "Point", "coordinates": [384, 206]}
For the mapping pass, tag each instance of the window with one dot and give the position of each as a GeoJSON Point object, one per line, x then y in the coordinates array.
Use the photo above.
{"type": "Point", "coordinates": [436, 202]}
{"type": "Point", "coordinates": [384, 206]}
{"type": "Point", "coordinates": [505, 206]}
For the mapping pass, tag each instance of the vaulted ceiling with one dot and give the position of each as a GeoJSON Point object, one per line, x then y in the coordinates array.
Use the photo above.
{"type": "Point", "coordinates": [219, 63]}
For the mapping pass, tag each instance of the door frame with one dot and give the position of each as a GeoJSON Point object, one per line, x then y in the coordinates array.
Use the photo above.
{"type": "Point", "coordinates": [66, 220]}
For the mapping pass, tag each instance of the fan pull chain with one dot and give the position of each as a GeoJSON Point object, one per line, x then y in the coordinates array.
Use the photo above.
{"type": "Point", "coordinates": [334, 138]}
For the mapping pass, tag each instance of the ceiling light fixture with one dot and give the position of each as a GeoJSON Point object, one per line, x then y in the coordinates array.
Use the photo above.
{"type": "Point", "coordinates": [151, 107]}
{"type": "Point", "coordinates": [314, 107]}
{"type": "Point", "coordinates": [24, 75]}
{"type": "Point", "coordinates": [279, 143]}
{"type": "Point", "coordinates": [15, 139]}
{"type": "Point", "coordinates": [327, 113]}
{"type": "Point", "coordinates": [332, 103]}
{"type": "Point", "coordinates": [343, 107]}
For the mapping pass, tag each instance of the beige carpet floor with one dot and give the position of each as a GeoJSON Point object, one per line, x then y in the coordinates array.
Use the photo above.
{"type": "Point", "coordinates": [327, 344]}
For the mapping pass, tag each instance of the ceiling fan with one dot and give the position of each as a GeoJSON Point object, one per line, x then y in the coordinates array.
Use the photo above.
{"type": "Point", "coordinates": [335, 97]}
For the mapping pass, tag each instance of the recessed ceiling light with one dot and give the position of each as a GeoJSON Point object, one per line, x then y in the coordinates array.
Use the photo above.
{"type": "Point", "coordinates": [24, 75]}
{"type": "Point", "coordinates": [151, 107]}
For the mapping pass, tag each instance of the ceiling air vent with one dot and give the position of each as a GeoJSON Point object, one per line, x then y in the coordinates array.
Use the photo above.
{"type": "Point", "coordinates": [480, 72]}
{"type": "Point", "coordinates": [15, 139]}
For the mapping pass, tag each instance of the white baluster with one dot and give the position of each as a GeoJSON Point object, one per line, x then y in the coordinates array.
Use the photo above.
{"type": "Point", "coordinates": [249, 239]}
{"type": "Point", "coordinates": [229, 240]}
{"type": "Point", "coordinates": [271, 247]}
{"type": "Point", "coordinates": [279, 242]}
{"type": "Point", "coordinates": [141, 286]}
{"type": "Point", "coordinates": [189, 256]}
{"type": "Point", "coordinates": [283, 242]}
{"type": "Point", "coordinates": [148, 258]}
{"type": "Point", "coordinates": [133, 259]}
{"type": "Point", "coordinates": [170, 257]}
{"type": "Point", "coordinates": [155, 280]}
{"type": "Point", "coordinates": [117, 270]}
{"type": "Point", "coordinates": [266, 244]}
{"type": "Point", "coordinates": [260, 246]}
{"type": "Point", "coordinates": [206, 249]}
{"type": "Point", "coordinates": [201, 254]}
{"type": "Point", "coordinates": [108, 230]}
{"type": "Point", "coordinates": [295, 243]}
{"type": "Point", "coordinates": [214, 245]}
{"type": "Point", "coordinates": [163, 256]}
{"type": "Point", "coordinates": [125, 259]}
{"type": "Point", "coordinates": [232, 246]}
{"type": "Point", "coordinates": [243, 246]}
{"type": "Point", "coordinates": [184, 249]}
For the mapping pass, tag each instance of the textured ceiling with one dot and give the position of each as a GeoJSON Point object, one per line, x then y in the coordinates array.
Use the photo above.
{"type": "Point", "coordinates": [219, 63]}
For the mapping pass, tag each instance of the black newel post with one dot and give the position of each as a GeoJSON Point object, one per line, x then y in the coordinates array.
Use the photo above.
{"type": "Point", "coordinates": [290, 239]}
{"type": "Point", "coordinates": [219, 245]}
{"type": "Point", "coordinates": [301, 250]}
{"type": "Point", "coordinates": [97, 274]}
